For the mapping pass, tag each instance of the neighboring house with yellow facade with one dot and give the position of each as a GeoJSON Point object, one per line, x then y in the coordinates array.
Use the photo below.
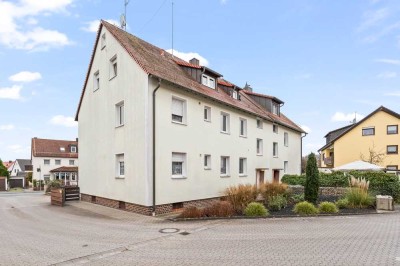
{"type": "Point", "coordinates": [374, 139]}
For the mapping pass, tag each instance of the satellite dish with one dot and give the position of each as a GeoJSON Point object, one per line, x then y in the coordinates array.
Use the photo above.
{"type": "Point", "coordinates": [123, 21]}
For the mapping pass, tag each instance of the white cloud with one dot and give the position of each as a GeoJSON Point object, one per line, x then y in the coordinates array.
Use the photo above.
{"type": "Point", "coordinates": [372, 18]}
{"type": "Point", "coordinates": [388, 61]}
{"type": "Point", "coordinates": [12, 93]}
{"type": "Point", "coordinates": [306, 128]}
{"type": "Point", "coordinates": [17, 19]}
{"type": "Point", "coordinates": [66, 121]}
{"type": "Point", "coordinates": [396, 94]}
{"type": "Point", "coordinates": [188, 56]}
{"type": "Point", "coordinates": [342, 117]}
{"type": "Point", "coordinates": [25, 76]}
{"type": "Point", "coordinates": [7, 127]}
{"type": "Point", "coordinates": [16, 148]}
{"type": "Point", "coordinates": [93, 26]}
{"type": "Point", "coordinates": [387, 75]}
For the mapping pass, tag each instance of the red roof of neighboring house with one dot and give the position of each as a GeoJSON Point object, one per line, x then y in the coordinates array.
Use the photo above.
{"type": "Point", "coordinates": [66, 169]}
{"type": "Point", "coordinates": [8, 164]}
{"type": "Point", "coordinates": [161, 64]}
{"type": "Point", "coordinates": [53, 148]}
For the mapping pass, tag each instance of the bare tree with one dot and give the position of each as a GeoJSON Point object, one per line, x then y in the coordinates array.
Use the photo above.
{"type": "Point", "coordinates": [373, 156]}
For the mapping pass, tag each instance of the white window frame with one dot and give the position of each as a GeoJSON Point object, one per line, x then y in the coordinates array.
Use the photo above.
{"type": "Point", "coordinates": [275, 108]}
{"type": "Point", "coordinates": [286, 139]}
{"type": "Point", "coordinates": [73, 148]}
{"type": "Point", "coordinates": [243, 122]}
{"type": "Point", "coordinates": [227, 166]}
{"type": "Point", "coordinates": [207, 114]}
{"type": "Point", "coordinates": [285, 166]}
{"type": "Point", "coordinates": [96, 80]}
{"type": "Point", "coordinates": [234, 94]}
{"type": "Point", "coordinates": [120, 165]}
{"type": "Point", "coordinates": [57, 162]}
{"type": "Point", "coordinates": [259, 147]}
{"type": "Point", "coordinates": [113, 67]}
{"type": "Point", "coordinates": [208, 81]}
{"type": "Point", "coordinates": [179, 157]}
{"type": "Point", "coordinates": [176, 112]}
{"type": "Point", "coordinates": [103, 40]}
{"type": "Point", "coordinates": [120, 114]}
{"type": "Point", "coordinates": [71, 162]}
{"type": "Point", "coordinates": [244, 166]}
{"type": "Point", "coordinates": [207, 162]}
{"type": "Point", "coordinates": [259, 123]}
{"type": "Point", "coordinates": [275, 152]}
{"type": "Point", "coordinates": [227, 126]}
{"type": "Point", "coordinates": [46, 160]}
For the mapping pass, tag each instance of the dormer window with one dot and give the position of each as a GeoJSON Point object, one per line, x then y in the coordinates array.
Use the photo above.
{"type": "Point", "coordinates": [62, 149]}
{"type": "Point", "coordinates": [208, 81]}
{"type": "Point", "coordinates": [73, 148]}
{"type": "Point", "coordinates": [234, 94]}
{"type": "Point", "coordinates": [275, 109]}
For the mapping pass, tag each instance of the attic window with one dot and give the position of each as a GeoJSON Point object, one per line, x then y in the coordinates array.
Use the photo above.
{"type": "Point", "coordinates": [103, 40]}
{"type": "Point", "coordinates": [62, 149]}
{"type": "Point", "coordinates": [234, 94]}
{"type": "Point", "coordinates": [275, 109]}
{"type": "Point", "coordinates": [73, 148]}
{"type": "Point", "coordinates": [208, 81]}
{"type": "Point", "coordinates": [113, 67]}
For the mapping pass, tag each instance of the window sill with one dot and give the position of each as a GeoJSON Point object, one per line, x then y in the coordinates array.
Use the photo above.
{"type": "Point", "coordinates": [392, 153]}
{"type": "Point", "coordinates": [179, 123]}
{"type": "Point", "coordinates": [120, 177]}
{"type": "Point", "coordinates": [119, 126]}
{"type": "Point", "coordinates": [178, 177]}
{"type": "Point", "coordinates": [242, 175]}
{"type": "Point", "coordinates": [259, 154]}
{"type": "Point", "coordinates": [225, 175]}
{"type": "Point", "coordinates": [205, 120]}
{"type": "Point", "coordinates": [243, 136]}
{"type": "Point", "coordinates": [207, 168]}
{"type": "Point", "coordinates": [113, 77]}
{"type": "Point", "coordinates": [226, 133]}
{"type": "Point", "coordinates": [275, 156]}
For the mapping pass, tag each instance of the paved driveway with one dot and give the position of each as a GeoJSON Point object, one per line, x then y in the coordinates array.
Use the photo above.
{"type": "Point", "coordinates": [34, 233]}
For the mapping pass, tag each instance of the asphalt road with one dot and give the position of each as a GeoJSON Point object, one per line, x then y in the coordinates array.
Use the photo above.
{"type": "Point", "coordinates": [32, 232]}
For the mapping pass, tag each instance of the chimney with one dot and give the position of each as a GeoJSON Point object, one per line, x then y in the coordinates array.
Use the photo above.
{"type": "Point", "coordinates": [76, 139]}
{"type": "Point", "coordinates": [194, 61]}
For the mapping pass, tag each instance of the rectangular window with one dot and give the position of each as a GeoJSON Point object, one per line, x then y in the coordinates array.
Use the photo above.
{"type": "Point", "coordinates": [392, 149]}
{"type": "Point", "coordinates": [120, 165]}
{"type": "Point", "coordinates": [234, 94]}
{"type": "Point", "coordinates": [242, 166]}
{"type": "Point", "coordinates": [368, 131]}
{"type": "Point", "coordinates": [178, 165]}
{"type": "Point", "coordinates": [285, 166]}
{"type": "Point", "coordinates": [275, 149]}
{"type": "Point", "coordinates": [58, 162]}
{"type": "Point", "coordinates": [71, 162]}
{"type": "Point", "coordinates": [113, 67]}
{"type": "Point", "coordinates": [73, 148]}
{"type": "Point", "coordinates": [103, 40]}
{"type": "Point", "coordinates": [275, 108]}
{"type": "Point", "coordinates": [178, 111]}
{"type": "Point", "coordinates": [225, 123]}
{"type": "Point", "coordinates": [46, 177]}
{"type": "Point", "coordinates": [392, 129]}
{"type": "Point", "coordinates": [243, 127]}
{"type": "Point", "coordinates": [207, 113]}
{"type": "Point", "coordinates": [224, 165]}
{"type": "Point", "coordinates": [259, 123]}
{"type": "Point", "coordinates": [120, 114]}
{"type": "Point", "coordinates": [96, 81]}
{"type": "Point", "coordinates": [211, 83]}
{"type": "Point", "coordinates": [204, 80]}
{"type": "Point", "coordinates": [208, 81]}
{"type": "Point", "coordinates": [207, 161]}
{"type": "Point", "coordinates": [275, 128]}
{"type": "Point", "coordinates": [259, 146]}
{"type": "Point", "coordinates": [392, 167]}
{"type": "Point", "coordinates": [46, 161]}
{"type": "Point", "coordinates": [286, 139]}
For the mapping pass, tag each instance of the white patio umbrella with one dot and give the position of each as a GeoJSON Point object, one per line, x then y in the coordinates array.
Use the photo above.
{"type": "Point", "coordinates": [360, 166]}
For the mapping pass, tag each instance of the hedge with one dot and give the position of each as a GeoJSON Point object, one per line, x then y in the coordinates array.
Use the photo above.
{"type": "Point", "coordinates": [380, 182]}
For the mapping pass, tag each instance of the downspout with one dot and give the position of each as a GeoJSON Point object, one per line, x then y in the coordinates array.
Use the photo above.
{"type": "Point", "coordinates": [301, 149]}
{"type": "Point", "coordinates": [154, 147]}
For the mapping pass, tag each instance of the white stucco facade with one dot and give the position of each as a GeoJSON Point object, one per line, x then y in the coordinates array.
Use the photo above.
{"type": "Point", "coordinates": [102, 142]}
{"type": "Point", "coordinates": [41, 166]}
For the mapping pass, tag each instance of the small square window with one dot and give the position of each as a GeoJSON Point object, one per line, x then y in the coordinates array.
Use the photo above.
{"type": "Point", "coordinates": [275, 128]}
{"type": "Point", "coordinates": [259, 123]}
{"type": "Point", "coordinates": [368, 131]}
{"type": "Point", "coordinates": [71, 162]}
{"type": "Point", "coordinates": [225, 123]}
{"type": "Point", "coordinates": [392, 149]}
{"type": "Point", "coordinates": [178, 165]}
{"type": "Point", "coordinates": [207, 161]}
{"type": "Point", "coordinates": [275, 149]}
{"type": "Point", "coordinates": [58, 162]}
{"type": "Point", "coordinates": [73, 148]}
{"type": "Point", "coordinates": [207, 113]}
{"type": "Point", "coordinates": [120, 165]}
{"type": "Point", "coordinates": [259, 146]}
{"type": "Point", "coordinates": [120, 114]}
{"type": "Point", "coordinates": [286, 139]}
{"type": "Point", "coordinates": [392, 129]}
{"type": "Point", "coordinates": [243, 127]}
{"type": "Point", "coordinates": [113, 67]}
{"type": "Point", "coordinates": [46, 161]}
{"type": "Point", "coordinates": [242, 166]}
{"type": "Point", "coordinates": [103, 40]}
{"type": "Point", "coordinates": [225, 166]}
{"type": "Point", "coordinates": [178, 112]}
{"type": "Point", "coordinates": [96, 81]}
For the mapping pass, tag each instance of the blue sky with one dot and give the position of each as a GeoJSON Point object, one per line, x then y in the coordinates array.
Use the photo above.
{"type": "Point", "coordinates": [325, 59]}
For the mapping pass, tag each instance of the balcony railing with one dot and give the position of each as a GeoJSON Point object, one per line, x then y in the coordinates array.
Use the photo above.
{"type": "Point", "coordinates": [328, 161]}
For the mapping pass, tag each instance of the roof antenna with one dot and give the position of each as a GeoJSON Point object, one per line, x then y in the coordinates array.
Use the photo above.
{"type": "Point", "coordinates": [355, 118]}
{"type": "Point", "coordinates": [172, 21]}
{"type": "Point", "coordinates": [123, 16]}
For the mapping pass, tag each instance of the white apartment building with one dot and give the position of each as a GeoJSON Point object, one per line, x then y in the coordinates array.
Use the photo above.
{"type": "Point", "coordinates": [158, 133]}
{"type": "Point", "coordinates": [55, 160]}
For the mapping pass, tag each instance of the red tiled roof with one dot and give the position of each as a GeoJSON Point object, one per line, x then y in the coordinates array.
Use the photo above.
{"type": "Point", "coordinates": [8, 164]}
{"type": "Point", "coordinates": [184, 63]}
{"type": "Point", "coordinates": [263, 95]}
{"type": "Point", "coordinates": [67, 169]}
{"type": "Point", "coordinates": [160, 64]}
{"type": "Point", "coordinates": [225, 83]}
{"type": "Point", "coordinates": [52, 148]}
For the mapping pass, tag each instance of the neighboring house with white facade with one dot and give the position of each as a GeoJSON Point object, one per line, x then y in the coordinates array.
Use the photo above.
{"type": "Point", "coordinates": [18, 172]}
{"type": "Point", "coordinates": [158, 133]}
{"type": "Point", "coordinates": [55, 160]}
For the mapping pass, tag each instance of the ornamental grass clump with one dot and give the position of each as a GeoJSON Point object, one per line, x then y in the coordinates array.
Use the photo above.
{"type": "Point", "coordinates": [191, 212]}
{"type": "Point", "coordinates": [328, 207]}
{"type": "Point", "coordinates": [357, 195]}
{"type": "Point", "coordinates": [268, 190]}
{"type": "Point", "coordinates": [255, 209]}
{"type": "Point", "coordinates": [219, 209]}
{"type": "Point", "coordinates": [240, 196]}
{"type": "Point", "coordinates": [305, 208]}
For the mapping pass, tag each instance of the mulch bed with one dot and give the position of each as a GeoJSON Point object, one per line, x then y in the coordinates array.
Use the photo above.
{"type": "Point", "coordinates": [288, 211]}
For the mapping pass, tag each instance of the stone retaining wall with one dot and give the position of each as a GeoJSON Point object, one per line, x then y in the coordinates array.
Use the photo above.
{"type": "Point", "coordinates": [324, 191]}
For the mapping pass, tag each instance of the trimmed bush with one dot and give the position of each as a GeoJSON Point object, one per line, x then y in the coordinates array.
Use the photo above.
{"type": "Point", "coordinates": [342, 203]}
{"type": "Point", "coordinates": [305, 208]}
{"type": "Point", "coordinates": [191, 212]}
{"type": "Point", "coordinates": [53, 184]}
{"type": "Point", "coordinates": [328, 207]}
{"type": "Point", "coordinates": [311, 188]}
{"type": "Point", "coordinates": [255, 209]}
{"type": "Point", "coordinates": [240, 196]}
{"type": "Point", "coordinates": [297, 198]}
{"type": "Point", "coordinates": [219, 209]}
{"type": "Point", "coordinates": [276, 203]}
{"type": "Point", "coordinates": [294, 180]}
